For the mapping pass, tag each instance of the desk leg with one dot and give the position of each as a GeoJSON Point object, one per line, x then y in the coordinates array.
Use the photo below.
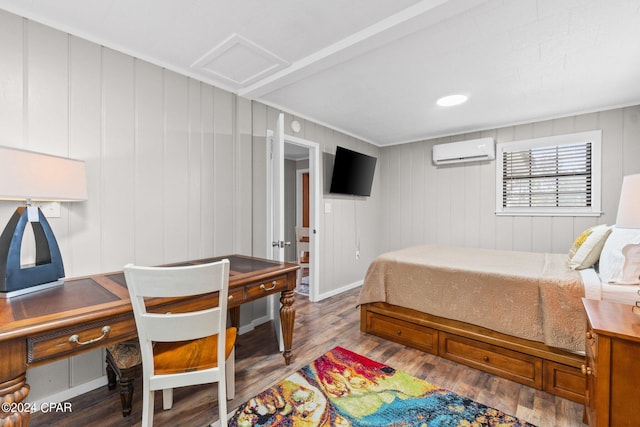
{"type": "Point", "coordinates": [14, 411]}
{"type": "Point", "coordinates": [287, 317]}
{"type": "Point", "coordinates": [234, 314]}
{"type": "Point", "coordinates": [13, 384]}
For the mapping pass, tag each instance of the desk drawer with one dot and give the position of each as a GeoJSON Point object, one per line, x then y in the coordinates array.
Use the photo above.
{"type": "Point", "coordinates": [55, 345]}
{"type": "Point", "coordinates": [235, 297]}
{"type": "Point", "coordinates": [267, 288]}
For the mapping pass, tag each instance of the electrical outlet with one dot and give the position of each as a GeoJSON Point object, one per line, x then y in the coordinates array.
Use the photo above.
{"type": "Point", "coordinates": [357, 255]}
{"type": "Point", "coordinates": [50, 209]}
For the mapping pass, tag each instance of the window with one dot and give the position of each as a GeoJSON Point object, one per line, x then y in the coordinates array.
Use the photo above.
{"type": "Point", "coordinates": [557, 175]}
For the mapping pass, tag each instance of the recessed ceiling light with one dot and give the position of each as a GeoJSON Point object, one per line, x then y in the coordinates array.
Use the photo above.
{"type": "Point", "coordinates": [451, 100]}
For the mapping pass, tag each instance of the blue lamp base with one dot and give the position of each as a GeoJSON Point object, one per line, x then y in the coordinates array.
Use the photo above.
{"type": "Point", "coordinates": [48, 270]}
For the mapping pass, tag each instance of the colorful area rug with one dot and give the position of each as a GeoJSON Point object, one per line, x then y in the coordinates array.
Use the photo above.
{"type": "Point", "coordinates": [342, 388]}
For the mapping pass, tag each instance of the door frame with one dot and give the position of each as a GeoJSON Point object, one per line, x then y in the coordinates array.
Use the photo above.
{"type": "Point", "coordinates": [314, 211]}
{"type": "Point", "coordinates": [314, 208]}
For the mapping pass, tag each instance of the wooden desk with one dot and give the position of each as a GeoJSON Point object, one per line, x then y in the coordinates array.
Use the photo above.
{"type": "Point", "coordinates": [35, 328]}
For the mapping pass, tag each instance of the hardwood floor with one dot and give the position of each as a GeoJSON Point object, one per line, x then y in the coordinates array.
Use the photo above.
{"type": "Point", "coordinates": [319, 327]}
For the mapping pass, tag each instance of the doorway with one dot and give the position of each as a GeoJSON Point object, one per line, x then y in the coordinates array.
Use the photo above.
{"type": "Point", "coordinates": [279, 236]}
{"type": "Point", "coordinates": [300, 202]}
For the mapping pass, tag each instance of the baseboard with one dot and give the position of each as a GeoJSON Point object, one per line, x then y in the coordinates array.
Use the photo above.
{"type": "Point", "coordinates": [338, 291]}
{"type": "Point", "coordinates": [253, 324]}
{"type": "Point", "coordinates": [47, 403]}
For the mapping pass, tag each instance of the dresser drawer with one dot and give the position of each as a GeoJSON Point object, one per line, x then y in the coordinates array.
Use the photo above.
{"type": "Point", "coordinates": [565, 381]}
{"type": "Point", "coordinates": [267, 288]}
{"type": "Point", "coordinates": [509, 364]}
{"type": "Point", "coordinates": [54, 345]}
{"type": "Point", "coordinates": [410, 334]}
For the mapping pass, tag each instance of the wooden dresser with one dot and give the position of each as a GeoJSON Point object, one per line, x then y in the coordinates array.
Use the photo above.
{"type": "Point", "coordinates": [612, 364]}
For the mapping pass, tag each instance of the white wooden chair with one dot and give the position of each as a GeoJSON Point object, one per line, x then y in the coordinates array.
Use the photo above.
{"type": "Point", "coordinates": [181, 349]}
{"type": "Point", "coordinates": [302, 250]}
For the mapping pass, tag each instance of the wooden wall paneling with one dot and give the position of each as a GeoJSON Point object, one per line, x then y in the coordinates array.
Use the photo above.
{"type": "Point", "coordinates": [418, 199]}
{"type": "Point", "coordinates": [259, 172]}
{"type": "Point", "coordinates": [47, 102]}
{"type": "Point", "coordinates": [13, 85]}
{"type": "Point", "coordinates": [562, 235]}
{"type": "Point", "coordinates": [118, 158]}
{"type": "Point", "coordinates": [631, 140]}
{"type": "Point", "coordinates": [207, 185]}
{"type": "Point", "coordinates": [613, 159]}
{"type": "Point", "coordinates": [85, 367]}
{"type": "Point", "coordinates": [46, 119]}
{"type": "Point", "coordinates": [148, 208]}
{"type": "Point", "coordinates": [194, 170]}
{"type": "Point", "coordinates": [472, 194]}
{"type": "Point", "coordinates": [407, 192]}
{"type": "Point", "coordinates": [487, 204]}
{"type": "Point", "coordinates": [541, 233]}
{"type": "Point", "coordinates": [394, 181]}
{"type": "Point", "coordinates": [430, 217]}
{"type": "Point", "coordinates": [244, 175]}
{"type": "Point", "coordinates": [457, 204]}
{"type": "Point", "coordinates": [223, 172]}
{"type": "Point", "coordinates": [443, 183]}
{"type": "Point", "coordinates": [176, 203]}
{"type": "Point", "coordinates": [48, 90]}
{"type": "Point", "coordinates": [85, 123]}
{"type": "Point", "coordinates": [504, 224]}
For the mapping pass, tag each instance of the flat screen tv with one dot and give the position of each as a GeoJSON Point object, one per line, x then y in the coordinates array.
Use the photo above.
{"type": "Point", "coordinates": [352, 173]}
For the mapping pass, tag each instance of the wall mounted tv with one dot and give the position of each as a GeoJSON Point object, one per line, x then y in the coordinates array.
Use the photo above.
{"type": "Point", "coordinates": [352, 173]}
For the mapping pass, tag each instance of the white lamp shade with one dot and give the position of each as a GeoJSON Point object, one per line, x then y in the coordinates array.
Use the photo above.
{"type": "Point", "coordinates": [27, 175]}
{"type": "Point", "coordinates": [629, 206]}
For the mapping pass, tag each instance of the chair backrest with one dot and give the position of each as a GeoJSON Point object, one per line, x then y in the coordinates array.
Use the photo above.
{"type": "Point", "coordinates": [302, 247]}
{"type": "Point", "coordinates": [301, 232]}
{"type": "Point", "coordinates": [152, 282]}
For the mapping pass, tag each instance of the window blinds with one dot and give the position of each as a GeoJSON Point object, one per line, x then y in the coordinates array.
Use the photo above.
{"type": "Point", "coordinates": [552, 176]}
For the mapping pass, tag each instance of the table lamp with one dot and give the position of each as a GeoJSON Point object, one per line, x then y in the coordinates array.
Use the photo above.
{"type": "Point", "coordinates": [29, 176]}
{"type": "Point", "coordinates": [629, 205]}
{"type": "Point", "coordinates": [629, 210]}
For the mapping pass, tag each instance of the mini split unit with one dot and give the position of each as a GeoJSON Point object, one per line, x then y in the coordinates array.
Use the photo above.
{"type": "Point", "coordinates": [464, 151]}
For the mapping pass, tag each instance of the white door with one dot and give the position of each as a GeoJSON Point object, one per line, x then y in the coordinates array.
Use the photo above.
{"type": "Point", "coordinates": [277, 190]}
{"type": "Point", "coordinates": [276, 147]}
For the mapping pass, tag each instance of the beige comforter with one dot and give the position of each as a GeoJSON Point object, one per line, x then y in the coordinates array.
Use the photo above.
{"type": "Point", "coordinates": [529, 295]}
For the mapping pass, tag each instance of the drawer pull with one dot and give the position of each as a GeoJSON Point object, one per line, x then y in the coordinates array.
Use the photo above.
{"type": "Point", "coordinates": [485, 358]}
{"type": "Point", "coordinates": [586, 370]}
{"type": "Point", "coordinates": [399, 332]}
{"type": "Point", "coordinates": [589, 335]}
{"type": "Point", "coordinates": [76, 338]}
{"type": "Point", "coordinates": [230, 297]}
{"type": "Point", "coordinates": [272, 287]}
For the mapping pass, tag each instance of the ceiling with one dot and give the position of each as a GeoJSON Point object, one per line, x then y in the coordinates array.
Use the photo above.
{"type": "Point", "coordinates": [375, 68]}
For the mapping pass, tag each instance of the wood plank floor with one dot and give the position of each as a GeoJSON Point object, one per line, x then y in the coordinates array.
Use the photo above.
{"type": "Point", "coordinates": [319, 327]}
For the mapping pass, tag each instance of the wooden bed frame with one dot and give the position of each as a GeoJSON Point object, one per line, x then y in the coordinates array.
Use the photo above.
{"type": "Point", "coordinates": [527, 362]}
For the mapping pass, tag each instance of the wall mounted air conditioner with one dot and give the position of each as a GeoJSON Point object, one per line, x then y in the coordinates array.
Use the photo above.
{"type": "Point", "coordinates": [464, 151]}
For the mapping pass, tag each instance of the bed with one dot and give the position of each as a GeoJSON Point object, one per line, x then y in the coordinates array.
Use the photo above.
{"type": "Point", "coordinates": [518, 315]}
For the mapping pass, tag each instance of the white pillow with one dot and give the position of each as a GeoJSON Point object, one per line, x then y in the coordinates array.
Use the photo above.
{"type": "Point", "coordinates": [588, 246]}
{"type": "Point", "coordinates": [612, 267]}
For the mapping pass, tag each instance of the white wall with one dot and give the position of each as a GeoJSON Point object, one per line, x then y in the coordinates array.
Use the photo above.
{"type": "Point", "coordinates": [455, 204]}
{"type": "Point", "coordinates": [168, 160]}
